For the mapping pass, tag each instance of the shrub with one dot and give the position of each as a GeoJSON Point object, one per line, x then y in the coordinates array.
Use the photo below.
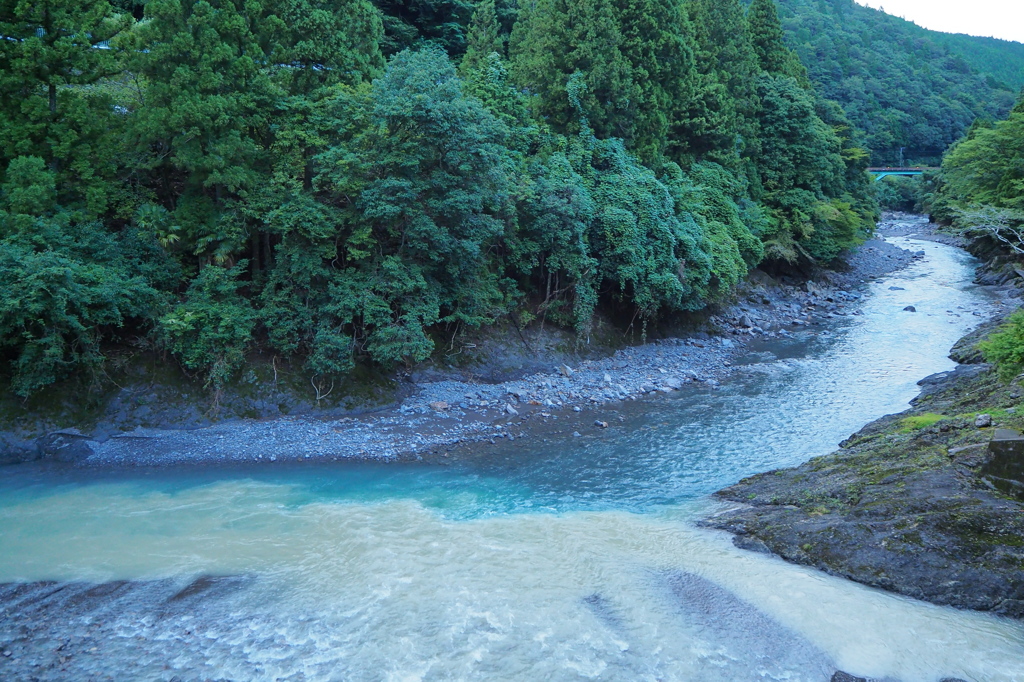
{"type": "Point", "coordinates": [1005, 348]}
{"type": "Point", "coordinates": [211, 330]}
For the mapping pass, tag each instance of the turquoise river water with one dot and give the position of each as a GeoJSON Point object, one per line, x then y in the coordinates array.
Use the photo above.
{"type": "Point", "coordinates": [562, 560]}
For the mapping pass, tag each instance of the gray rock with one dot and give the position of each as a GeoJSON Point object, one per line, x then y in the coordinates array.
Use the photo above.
{"type": "Point", "coordinates": [675, 383]}
{"type": "Point", "coordinates": [910, 309]}
{"type": "Point", "coordinates": [746, 322]}
{"type": "Point", "coordinates": [983, 420]}
{"type": "Point", "coordinates": [600, 424]}
{"type": "Point", "coordinates": [566, 371]}
{"type": "Point", "coordinates": [1004, 467]}
{"type": "Point", "coordinates": [750, 543]}
{"type": "Point", "coordinates": [840, 676]}
{"type": "Point", "coordinates": [511, 410]}
{"type": "Point", "coordinates": [14, 450]}
{"type": "Point", "coordinates": [65, 446]}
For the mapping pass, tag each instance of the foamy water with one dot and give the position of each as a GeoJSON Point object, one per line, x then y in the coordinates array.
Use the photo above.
{"type": "Point", "coordinates": [569, 562]}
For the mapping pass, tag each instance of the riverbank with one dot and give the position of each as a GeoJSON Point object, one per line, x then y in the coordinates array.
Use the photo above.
{"type": "Point", "coordinates": [911, 503]}
{"type": "Point", "coordinates": [436, 409]}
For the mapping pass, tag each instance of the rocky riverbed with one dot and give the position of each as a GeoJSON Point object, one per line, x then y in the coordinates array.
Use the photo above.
{"type": "Point", "coordinates": [910, 503]}
{"type": "Point", "coordinates": [458, 407]}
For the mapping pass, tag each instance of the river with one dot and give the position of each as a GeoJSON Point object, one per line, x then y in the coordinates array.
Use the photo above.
{"type": "Point", "coordinates": [549, 558]}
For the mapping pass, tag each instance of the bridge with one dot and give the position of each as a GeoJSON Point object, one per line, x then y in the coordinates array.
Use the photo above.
{"type": "Point", "coordinates": [880, 173]}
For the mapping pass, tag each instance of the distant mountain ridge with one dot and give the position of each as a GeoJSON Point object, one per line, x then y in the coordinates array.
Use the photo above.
{"type": "Point", "coordinates": [903, 85]}
{"type": "Point", "coordinates": [1001, 59]}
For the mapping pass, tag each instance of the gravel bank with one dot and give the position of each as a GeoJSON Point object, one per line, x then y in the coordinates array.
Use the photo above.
{"type": "Point", "coordinates": [439, 415]}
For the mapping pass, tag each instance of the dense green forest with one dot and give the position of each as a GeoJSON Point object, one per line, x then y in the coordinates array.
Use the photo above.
{"type": "Point", "coordinates": [904, 86]}
{"type": "Point", "coordinates": [341, 182]}
{"type": "Point", "coordinates": [980, 193]}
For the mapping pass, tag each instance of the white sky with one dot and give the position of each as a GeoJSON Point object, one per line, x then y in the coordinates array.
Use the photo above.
{"type": "Point", "coordinates": [998, 18]}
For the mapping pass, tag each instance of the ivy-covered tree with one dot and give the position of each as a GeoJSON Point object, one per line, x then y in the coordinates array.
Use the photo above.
{"type": "Point", "coordinates": [66, 281]}
{"type": "Point", "coordinates": [414, 192]}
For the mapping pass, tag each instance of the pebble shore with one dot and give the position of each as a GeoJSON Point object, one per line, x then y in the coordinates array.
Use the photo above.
{"type": "Point", "coordinates": [440, 415]}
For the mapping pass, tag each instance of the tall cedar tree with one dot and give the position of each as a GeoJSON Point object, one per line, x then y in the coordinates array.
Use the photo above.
{"type": "Point", "coordinates": [726, 59]}
{"type": "Point", "coordinates": [484, 38]}
{"type": "Point", "coordinates": [769, 45]}
{"type": "Point", "coordinates": [637, 63]}
{"type": "Point", "coordinates": [766, 36]}
{"type": "Point", "coordinates": [554, 39]}
{"type": "Point", "coordinates": [48, 52]}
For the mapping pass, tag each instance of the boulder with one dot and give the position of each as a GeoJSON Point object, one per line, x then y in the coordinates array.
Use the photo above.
{"type": "Point", "coordinates": [910, 309]}
{"type": "Point", "coordinates": [840, 676]}
{"type": "Point", "coordinates": [65, 446]}
{"type": "Point", "coordinates": [14, 450]}
{"type": "Point", "coordinates": [1005, 466]}
{"type": "Point", "coordinates": [983, 420]}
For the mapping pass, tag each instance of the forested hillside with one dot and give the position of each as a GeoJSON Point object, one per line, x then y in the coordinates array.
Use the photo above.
{"type": "Point", "coordinates": [980, 193]}
{"type": "Point", "coordinates": [338, 182]}
{"type": "Point", "coordinates": [903, 85]}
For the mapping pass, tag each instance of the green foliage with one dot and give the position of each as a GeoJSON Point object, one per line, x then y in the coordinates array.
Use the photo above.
{"type": "Point", "coordinates": [49, 105]}
{"type": "Point", "coordinates": [428, 179]}
{"type": "Point", "coordinates": [1005, 348]}
{"type": "Point", "coordinates": [712, 195]}
{"type": "Point", "coordinates": [443, 23]}
{"type": "Point", "coordinates": [326, 42]}
{"type": "Point", "coordinates": [637, 233]}
{"type": "Point", "coordinates": [484, 38]}
{"type": "Point", "coordinates": [211, 330]}
{"type": "Point", "coordinates": [636, 62]}
{"type": "Point", "coordinates": [767, 40]}
{"type": "Point", "coordinates": [988, 166]}
{"type": "Point", "coordinates": [728, 67]}
{"type": "Point", "coordinates": [555, 39]}
{"type": "Point", "coordinates": [65, 282]}
{"type": "Point", "coordinates": [898, 193]}
{"type": "Point", "coordinates": [807, 188]}
{"type": "Point", "coordinates": [551, 247]}
{"type": "Point", "coordinates": [904, 86]}
{"type": "Point", "coordinates": [920, 421]}
{"type": "Point", "coordinates": [242, 175]}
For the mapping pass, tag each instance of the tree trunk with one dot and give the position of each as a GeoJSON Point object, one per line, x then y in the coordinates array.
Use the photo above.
{"type": "Point", "coordinates": [254, 241]}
